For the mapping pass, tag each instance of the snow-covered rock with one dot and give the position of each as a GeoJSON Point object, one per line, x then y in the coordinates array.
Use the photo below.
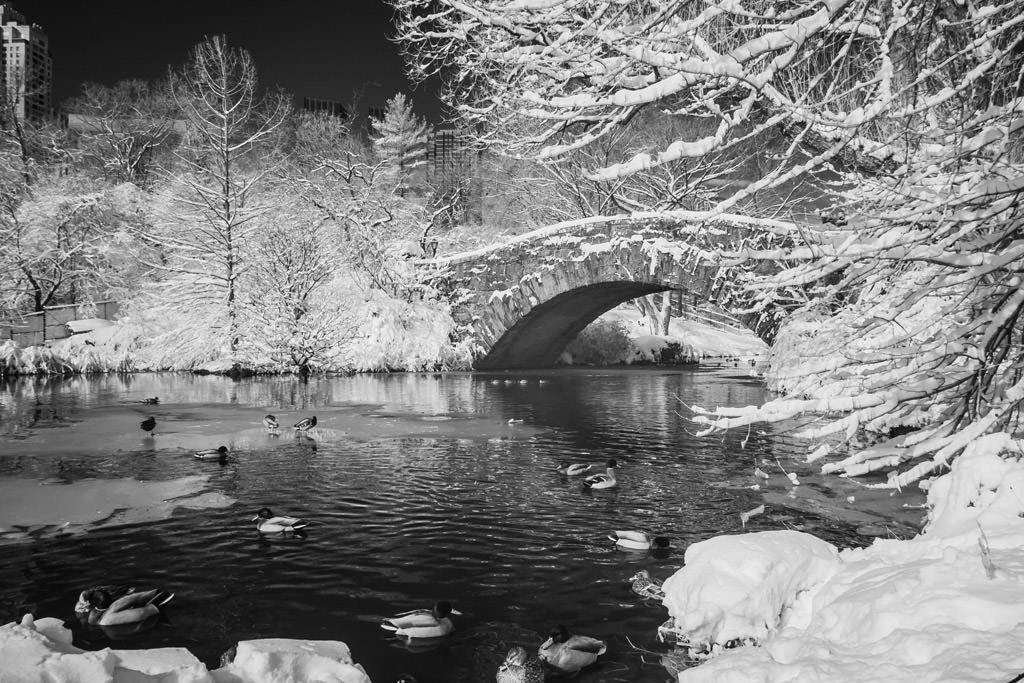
{"type": "Point", "coordinates": [741, 587]}
{"type": "Point", "coordinates": [280, 660]}
{"type": "Point", "coordinates": [945, 605]}
{"type": "Point", "coordinates": [40, 651]}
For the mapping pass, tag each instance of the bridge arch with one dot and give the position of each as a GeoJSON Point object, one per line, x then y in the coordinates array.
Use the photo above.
{"type": "Point", "coordinates": [524, 301]}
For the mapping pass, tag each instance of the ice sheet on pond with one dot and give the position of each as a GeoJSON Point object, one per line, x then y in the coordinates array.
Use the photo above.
{"type": "Point", "coordinates": [30, 505]}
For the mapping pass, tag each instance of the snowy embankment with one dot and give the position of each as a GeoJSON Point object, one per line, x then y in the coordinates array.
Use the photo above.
{"type": "Point", "coordinates": [36, 651]}
{"type": "Point", "coordinates": [946, 605]}
{"type": "Point", "coordinates": [686, 341]}
{"type": "Point", "coordinates": [392, 335]}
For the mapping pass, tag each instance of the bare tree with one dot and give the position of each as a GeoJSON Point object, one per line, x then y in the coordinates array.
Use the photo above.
{"type": "Point", "coordinates": [339, 177]}
{"type": "Point", "coordinates": [213, 197]}
{"type": "Point", "coordinates": [295, 317]}
{"type": "Point", "coordinates": [121, 127]}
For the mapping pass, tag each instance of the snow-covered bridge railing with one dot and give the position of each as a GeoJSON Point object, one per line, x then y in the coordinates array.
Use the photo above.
{"type": "Point", "coordinates": [527, 298]}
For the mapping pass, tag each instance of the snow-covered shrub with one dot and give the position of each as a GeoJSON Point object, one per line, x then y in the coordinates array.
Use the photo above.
{"type": "Point", "coordinates": [395, 334]}
{"type": "Point", "coordinates": [32, 360]}
{"type": "Point", "coordinates": [602, 342]}
{"type": "Point", "coordinates": [662, 350]}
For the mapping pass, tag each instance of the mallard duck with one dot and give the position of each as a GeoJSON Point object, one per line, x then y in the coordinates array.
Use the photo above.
{"type": "Point", "coordinates": [422, 623]}
{"type": "Point", "coordinates": [84, 606]}
{"type": "Point", "coordinates": [567, 654]}
{"type": "Point", "coordinates": [604, 480]}
{"type": "Point", "coordinates": [646, 587]}
{"type": "Point", "coordinates": [148, 425]}
{"type": "Point", "coordinates": [267, 523]}
{"type": "Point", "coordinates": [271, 423]}
{"type": "Point", "coordinates": [128, 609]}
{"type": "Point", "coordinates": [520, 667]}
{"type": "Point", "coordinates": [220, 454]}
{"type": "Point", "coordinates": [638, 540]}
{"type": "Point", "coordinates": [151, 401]}
{"type": "Point", "coordinates": [305, 424]}
{"type": "Point", "coordinates": [573, 469]}
{"type": "Point", "coordinates": [515, 420]}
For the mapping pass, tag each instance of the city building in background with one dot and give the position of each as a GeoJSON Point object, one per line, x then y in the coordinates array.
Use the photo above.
{"type": "Point", "coordinates": [330, 107]}
{"type": "Point", "coordinates": [27, 67]}
{"type": "Point", "coordinates": [453, 171]}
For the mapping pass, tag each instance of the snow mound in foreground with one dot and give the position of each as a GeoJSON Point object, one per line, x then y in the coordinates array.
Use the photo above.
{"type": "Point", "coordinates": [740, 587]}
{"type": "Point", "coordinates": [37, 651]}
{"type": "Point", "coordinates": [946, 605]}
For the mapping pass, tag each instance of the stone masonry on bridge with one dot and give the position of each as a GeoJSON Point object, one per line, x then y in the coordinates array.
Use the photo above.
{"type": "Point", "coordinates": [526, 299]}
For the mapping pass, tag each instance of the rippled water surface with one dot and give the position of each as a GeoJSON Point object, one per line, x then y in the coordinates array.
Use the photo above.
{"type": "Point", "coordinates": [417, 489]}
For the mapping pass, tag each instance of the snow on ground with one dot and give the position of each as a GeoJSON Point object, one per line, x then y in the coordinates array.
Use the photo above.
{"type": "Point", "coordinates": [41, 651]}
{"type": "Point", "coordinates": [947, 605]}
{"type": "Point", "coordinates": [697, 339]}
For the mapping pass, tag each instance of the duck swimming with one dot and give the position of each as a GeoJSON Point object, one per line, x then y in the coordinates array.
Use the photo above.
{"type": "Point", "coordinates": [83, 606]}
{"type": "Point", "coordinates": [220, 454]}
{"type": "Point", "coordinates": [605, 480]}
{"type": "Point", "coordinates": [520, 667]}
{"type": "Point", "coordinates": [573, 469]}
{"type": "Point", "coordinates": [271, 423]}
{"type": "Point", "coordinates": [646, 587]}
{"type": "Point", "coordinates": [638, 540]}
{"type": "Point", "coordinates": [130, 608]}
{"type": "Point", "coordinates": [148, 425]}
{"type": "Point", "coordinates": [305, 424]}
{"type": "Point", "coordinates": [267, 523]}
{"type": "Point", "coordinates": [567, 654]}
{"type": "Point", "coordinates": [151, 401]}
{"type": "Point", "coordinates": [422, 623]}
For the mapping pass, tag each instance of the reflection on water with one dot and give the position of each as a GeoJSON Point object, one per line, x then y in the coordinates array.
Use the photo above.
{"type": "Point", "coordinates": [417, 488]}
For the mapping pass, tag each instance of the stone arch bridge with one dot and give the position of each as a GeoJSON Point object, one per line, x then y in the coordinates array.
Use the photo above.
{"type": "Point", "coordinates": [524, 300]}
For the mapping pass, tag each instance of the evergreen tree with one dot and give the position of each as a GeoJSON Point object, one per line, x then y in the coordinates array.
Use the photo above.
{"type": "Point", "coordinates": [399, 139]}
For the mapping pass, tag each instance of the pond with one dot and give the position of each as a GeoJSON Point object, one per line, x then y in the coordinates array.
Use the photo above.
{"type": "Point", "coordinates": [417, 488]}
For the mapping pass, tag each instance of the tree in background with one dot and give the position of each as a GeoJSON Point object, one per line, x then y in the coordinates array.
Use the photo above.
{"type": "Point", "coordinates": [399, 140]}
{"type": "Point", "coordinates": [213, 206]}
{"type": "Point", "coordinates": [121, 127]}
{"type": "Point", "coordinates": [343, 181]}
{"type": "Point", "coordinates": [297, 317]}
{"type": "Point", "coordinates": [905, 120]}
{"type": "Point", "coordinates": [63, 231]}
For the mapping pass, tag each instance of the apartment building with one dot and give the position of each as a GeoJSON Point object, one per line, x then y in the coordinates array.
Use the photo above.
{"type": "Point", "coordinates": [26, 67]}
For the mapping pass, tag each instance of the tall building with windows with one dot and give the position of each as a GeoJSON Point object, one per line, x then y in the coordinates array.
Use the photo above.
{"type": "Point", "coordinates": [26, 72]}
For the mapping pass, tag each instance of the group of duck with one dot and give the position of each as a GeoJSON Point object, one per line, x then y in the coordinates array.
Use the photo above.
{"type": "Point", "coordinates": [562, 652]}
{"type": "Point", "coordinates": [220, 454]}
{"type": "Point", "coordinates": [600, 480]}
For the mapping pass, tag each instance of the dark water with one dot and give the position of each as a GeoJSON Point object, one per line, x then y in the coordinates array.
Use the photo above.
{"type": "Point", "coordinates": [417, 489]}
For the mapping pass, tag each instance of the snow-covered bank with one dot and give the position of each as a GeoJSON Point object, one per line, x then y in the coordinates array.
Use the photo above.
{"type": "Point", "coordinates": [686, 341]}
{"type": "Point", "coordinates": [946, 605]}
{"type": "Point", "coordinates": [38, 651]}
{"type": "Point", "coordinates": [395, 336]}
{"type": "Point", "coordinates": [390, 335]}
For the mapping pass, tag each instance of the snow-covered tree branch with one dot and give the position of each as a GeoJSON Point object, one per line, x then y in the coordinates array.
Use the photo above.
{"type": "Point", "coordinates": [888, 134]}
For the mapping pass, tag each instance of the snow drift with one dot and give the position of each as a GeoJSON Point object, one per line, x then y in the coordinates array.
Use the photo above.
{"type": "Point", "coordinates": [946, 605]}
{"type": "Point", "coordinates": [38, 651]}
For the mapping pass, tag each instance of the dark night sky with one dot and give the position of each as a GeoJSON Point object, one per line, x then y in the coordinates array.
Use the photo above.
{"type": "Point", "coordinates": [315, 48]}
